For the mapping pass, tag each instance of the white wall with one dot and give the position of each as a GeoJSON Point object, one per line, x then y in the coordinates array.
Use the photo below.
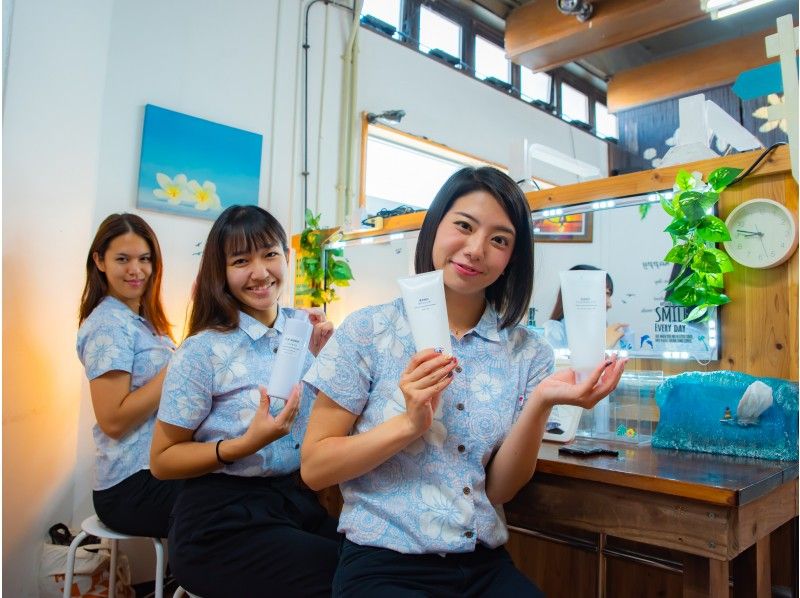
{"type": "Point", "coordinates": [79, 74]}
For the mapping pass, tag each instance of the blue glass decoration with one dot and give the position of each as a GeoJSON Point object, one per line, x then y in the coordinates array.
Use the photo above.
{"type": "Point", "coordinates": [693, 404]}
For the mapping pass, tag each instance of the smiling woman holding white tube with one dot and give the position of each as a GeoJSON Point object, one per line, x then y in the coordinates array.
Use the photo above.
{"type": "Point", "coordinates": [427, 446]}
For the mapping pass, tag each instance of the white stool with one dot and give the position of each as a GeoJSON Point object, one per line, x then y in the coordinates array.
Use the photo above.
{"type": "Point", "coordinates": [92, 525]}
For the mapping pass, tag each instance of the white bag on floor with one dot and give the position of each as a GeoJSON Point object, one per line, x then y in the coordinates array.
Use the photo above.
{"type": "Point", "coordinates": [90, 579]}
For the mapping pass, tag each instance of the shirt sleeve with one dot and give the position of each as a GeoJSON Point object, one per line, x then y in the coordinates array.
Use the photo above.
{"type": "Point", "coordinates": [541, 365]}
{"type": "Point", "coordinates": [186, 397]}
{"type": "Point", "coordinates": [105, 346]}
{"type": "Point", "coordinates": [341, 370]}
{"type": "Point", "coordinates": [555, 334]}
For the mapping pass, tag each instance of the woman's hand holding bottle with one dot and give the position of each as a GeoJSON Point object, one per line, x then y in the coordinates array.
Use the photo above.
{"type": "Point", "coordinates": [426, 376]}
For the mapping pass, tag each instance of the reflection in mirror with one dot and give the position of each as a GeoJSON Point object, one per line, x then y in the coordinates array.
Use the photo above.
{"type": "Point", "coordinates": [627, 241]}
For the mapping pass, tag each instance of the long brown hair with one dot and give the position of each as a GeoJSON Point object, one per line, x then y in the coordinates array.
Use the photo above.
{"type": "Point", "coordinates": [96, 286]}
{"type": "Point", "coordinates": [239, 229]}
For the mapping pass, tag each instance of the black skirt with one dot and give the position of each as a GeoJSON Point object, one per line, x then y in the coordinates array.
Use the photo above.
{"type": "Point", "coordinates": [251, 536]}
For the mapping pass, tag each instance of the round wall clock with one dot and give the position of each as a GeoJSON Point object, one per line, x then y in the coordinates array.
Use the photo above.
{"type": "Point", "coordinates": [763, 233]}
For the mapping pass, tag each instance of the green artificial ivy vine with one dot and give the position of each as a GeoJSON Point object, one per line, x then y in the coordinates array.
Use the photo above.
{"type": "Point", "coordinates": [318, 278]}
{"type": "Point", "coordinates": [694, 231]}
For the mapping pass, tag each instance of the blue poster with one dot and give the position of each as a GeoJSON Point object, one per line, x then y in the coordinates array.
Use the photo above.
{"type": "Point", "coordinates": [195, 167]}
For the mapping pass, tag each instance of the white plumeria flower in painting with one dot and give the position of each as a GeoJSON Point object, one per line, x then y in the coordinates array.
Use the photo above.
{"type": "Point", "coordinates": [205, 196]}
{"type": "Point", "coordinates": [485, 388]}
{"type": "Point", "coordinates": [227, 365]}
{"type": "Point", "coordinates": [100, 352]}
{"type": "Point", "coordinates": [435, 435]}
{"type": "Point", "coordinates": [444, 513]}
{"type": "Point", "coordinates": [762, 113]}
{"type": "Point", "coordinates": [173, 190]}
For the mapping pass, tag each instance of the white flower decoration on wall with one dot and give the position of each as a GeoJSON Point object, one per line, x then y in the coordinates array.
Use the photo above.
{"type": "Point", "coordinates": [205, 196]}
{"type": "Point", "coordinates": [172, 190]}
{"type": "Point", "coordinates": [774, 99]}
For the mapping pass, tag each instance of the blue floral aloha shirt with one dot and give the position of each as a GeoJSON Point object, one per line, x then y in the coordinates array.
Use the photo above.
{"type": "Point", "coordinates": [212, 387]}
{"type": "Point", "coordinates": [431, 496]}
{"type": "Point", "coordinates": [114, 338]}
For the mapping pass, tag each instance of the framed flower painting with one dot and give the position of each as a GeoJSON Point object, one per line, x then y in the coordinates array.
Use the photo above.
{"type": "Point", "coordinates": [195, 167]}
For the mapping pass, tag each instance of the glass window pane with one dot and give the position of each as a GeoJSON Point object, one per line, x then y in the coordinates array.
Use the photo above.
{"type": "Point", "coordinates": [574, 104]}
{"type": "Point", "coordinates": [436, 31]}
{"type": "Point", "coordinates": [399, 175]}
{"type": "Point", "coordinates": [490, 60]}
{"type": "Point", "coordinates": [535, 86]}
{"type": "Point", "coordinates": [605, 123]}
{"type": "Point", "coordinates": [387, 11]}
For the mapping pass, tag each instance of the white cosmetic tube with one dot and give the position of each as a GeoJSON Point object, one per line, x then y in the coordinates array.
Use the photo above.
{"type": "Point", "coordinates": [583, 293]}
{"type": "Point", "coordinates": [288, 366]}
{"type": "Point", "coordinates": [423, 297]}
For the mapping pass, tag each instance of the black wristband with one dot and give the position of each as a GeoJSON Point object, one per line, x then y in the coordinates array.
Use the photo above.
{"type": "Point", "coordinates": [220, 460]}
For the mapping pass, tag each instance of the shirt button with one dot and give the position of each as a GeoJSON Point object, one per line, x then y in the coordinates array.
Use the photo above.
{"type": "Point", "coordinates": [461, 448]}
{"type": "Point", "coordinates": [297, 446]}
{"type": "Point", "coordinates": [459, 369]}
{"type": "Point", "coordinates": [467, 534]}
{"type": "Point", "coordinates": [466, 490]}
{"type": "Point", "coordinates": [275, 350]}
{"type": "Point", "coordinates": [460, 406]}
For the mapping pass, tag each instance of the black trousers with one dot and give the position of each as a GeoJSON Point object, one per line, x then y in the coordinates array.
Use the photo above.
{"type": "Point", "coordinates": [139, 505]}
{"type": "Point", "coordinates": [240, 536]}
{"type": "Point", "coordinates": [369, 571]}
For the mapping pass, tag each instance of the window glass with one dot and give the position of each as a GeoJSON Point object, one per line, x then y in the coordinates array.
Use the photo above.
{"type": "Point", "coordinates": [574, 104]}
{"type": "Point", "coordinates": [605, 123]}
{"type": "Point", "coordinates": [490, 60]}
{"type": "Point", "coordinates": [436, 31]}
{"type": "Point", "coordinates": [387, 11]}
{"type": "Point", "coordinates": [535, 86]}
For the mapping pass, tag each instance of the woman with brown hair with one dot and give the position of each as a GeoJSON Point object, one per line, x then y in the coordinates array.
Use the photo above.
{"type": "Point", "coordinates": [124, 343]}
{"type": "Point", "coordinates": [242, 525]}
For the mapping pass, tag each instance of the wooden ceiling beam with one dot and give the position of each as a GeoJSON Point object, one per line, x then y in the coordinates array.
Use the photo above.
{"type": "Point", "coordinates": [687, 73]}
{"type": "Point", "coordinates": [540, 37]}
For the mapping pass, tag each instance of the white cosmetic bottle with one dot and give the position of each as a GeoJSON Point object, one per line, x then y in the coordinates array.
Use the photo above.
{"type": "Point", "coordinates": [288, 366]}
{"type": "Point", "coordinates": [423, 297]}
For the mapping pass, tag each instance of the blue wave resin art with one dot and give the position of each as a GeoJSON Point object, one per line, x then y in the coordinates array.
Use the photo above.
{"type": "Point", "coordinates": [693, 403]}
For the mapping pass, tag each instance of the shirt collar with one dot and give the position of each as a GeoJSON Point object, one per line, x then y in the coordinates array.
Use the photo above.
{"type": "Point", "coordinates": [115, 303]}
{"type": "Point", "coordinates": [255, 329]}
{"type": "Point", "coordinates": [487, 327]}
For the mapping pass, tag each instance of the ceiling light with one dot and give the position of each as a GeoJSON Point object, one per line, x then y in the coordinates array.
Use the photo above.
{"type": "Point", "coordinates": [726, 8]}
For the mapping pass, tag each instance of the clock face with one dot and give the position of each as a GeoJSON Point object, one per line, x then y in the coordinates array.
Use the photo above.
{"type": "Point", "coordinates": [763, 233]}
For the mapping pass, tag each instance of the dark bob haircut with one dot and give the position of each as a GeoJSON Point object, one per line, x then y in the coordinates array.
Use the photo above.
{"type": "Point", "coordinates": [510, 294]}
{"type": "Point", "coordinates": [239, 229]}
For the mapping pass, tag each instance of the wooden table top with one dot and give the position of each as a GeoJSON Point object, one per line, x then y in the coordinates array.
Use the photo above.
{"type": "Point", "coordinates": [716, 479]}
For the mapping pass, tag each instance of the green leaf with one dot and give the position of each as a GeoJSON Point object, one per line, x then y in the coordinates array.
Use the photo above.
{"type": "Point", "coordinates": [685, 180]}
{"type": "Point", "coordinates": [713, 229]}
{"type": "Point", "coordinates": [340, 270]}
{"type": "Point", "coordinates": [714, 280]}
{"type": "Point", "coordinates": [698, 312]}
{"type": "Point", "coordinates": [714, 298]}
{"type": "Point", "coordinates": [677, 255]}
{"type": "Point", "coordinates": [337, 251]}
{"type": "Point", "coordinates": [691, 203]}
{"type": "Point", "coordinates": [643, 209]}
{"type": "Point", "coordinates": [722, 177]}
{"type": "Point", "coordinates": [666, 205]}
{"type": "Point", "coordinates": [722, 259]}
{"type": "Point", "coordinates": [678, 227]}
{"type": "Point", "coordinates": [685, 295]}
{"type": "Point", "coordinates": [705, 261]}
{"type": "Point", "coordinates": [309, 218]}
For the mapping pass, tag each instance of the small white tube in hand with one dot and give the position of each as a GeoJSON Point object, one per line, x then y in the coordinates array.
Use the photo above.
{"type": "Point", "coordinates": [423, 297]}
{"type": "Point", "coordinates": [291, 356]}
{"type": "Point", "coordinates": [584, 298]}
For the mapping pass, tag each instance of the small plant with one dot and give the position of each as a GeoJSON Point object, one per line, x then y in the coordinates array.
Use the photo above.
{"type": "Point", "coordinates": [694, 231]}
{"type": "Point", "coordinates": [318, 278]}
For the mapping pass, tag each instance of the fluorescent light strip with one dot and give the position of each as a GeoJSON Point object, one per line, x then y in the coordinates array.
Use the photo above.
{"type": "Point", "coordinates": [726, 12]}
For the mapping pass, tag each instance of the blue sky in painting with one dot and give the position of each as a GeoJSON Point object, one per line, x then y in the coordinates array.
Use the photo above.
{"type": "Point", "coordinates": [175, 143]}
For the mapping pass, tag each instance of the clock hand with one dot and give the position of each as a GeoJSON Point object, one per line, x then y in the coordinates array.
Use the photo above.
{"type": "Point", "coordinates": [749, 233]}
{"type": "Point", "coordinates": [761, 238]}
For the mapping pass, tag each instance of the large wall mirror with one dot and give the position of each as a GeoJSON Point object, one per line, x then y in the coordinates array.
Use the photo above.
{"type": "Point", "coordinates": [625, 238]}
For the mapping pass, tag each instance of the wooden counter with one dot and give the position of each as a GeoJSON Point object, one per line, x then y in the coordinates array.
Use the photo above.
{"type": "Point", "coordinates": [711, 508]}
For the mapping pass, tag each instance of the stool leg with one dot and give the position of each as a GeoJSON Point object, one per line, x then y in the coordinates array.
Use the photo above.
{"type": "Point", "coordinates": [159, 567]}
{"type": "Point", "coordinates": [112, 578]}
{"type": "Point", "coordinates": [73, 548]}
